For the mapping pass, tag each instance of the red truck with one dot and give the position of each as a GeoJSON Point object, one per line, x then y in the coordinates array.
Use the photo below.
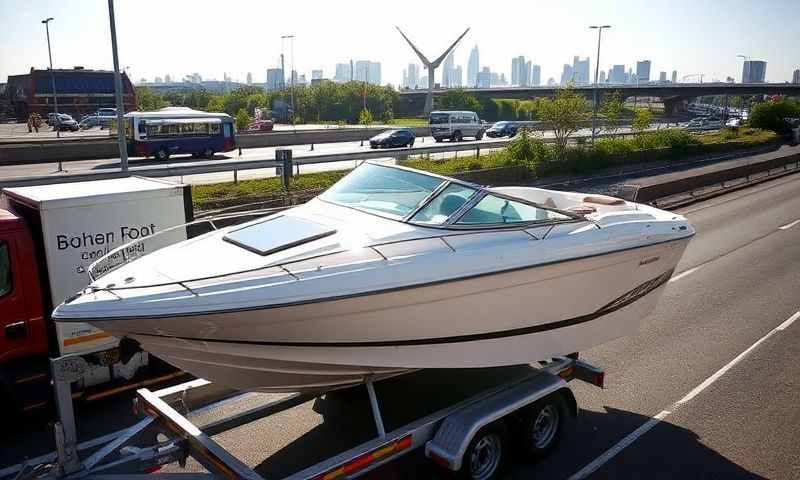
{"type": "Point", "coordinates": [49, 235]}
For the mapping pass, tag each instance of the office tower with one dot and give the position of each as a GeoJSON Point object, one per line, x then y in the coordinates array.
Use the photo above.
{"type": "Point", "coordinates": [342, 72]}
{"type": "Point", "coordinates": [167, 78]}
{"type": "Point", "coordinates": [617, 74]}
{"type": "Point", "coordinates": [566, 74]}
{"type": "Point", "coordinates": [643, 71]}
{"type": "Point", "coordinates": [158, 80]}
{"type": "Point", "coordinates": [796, 76]}
{"type": "Point", "coordinates": [580, 70]}
{"type": "Point", "coordinates": [473, 67]}
{"type": "Point", "coordinates": [602, 78]}
{"type": "Point", "coordinates": [674, 76]}
{"type": "Point", "coordinates": [484, 79]}
{"type": "Point", "coordinates": [448, 71]}
{"type": "Point", "coordinates": [316, 74]}
{"type": "Point", "coordinates": [458, 77]}
{"type": "Point", "coordinates": [520, 71]}
{"type": "Point", "coordinates": [662, 77]}
{"type": "Point", "coordinates": [412, 76]}
{"type": "Point", "coordinates": [754, 71]}
{"type": "Point", "coordinates": [274, 79]}
{"type": "Point", "coordinates": [536, 75]}
{"type": "Point", "coordinates": [551, 81]}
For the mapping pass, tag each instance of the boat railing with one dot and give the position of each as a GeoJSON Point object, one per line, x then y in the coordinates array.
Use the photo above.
{"type": "Point", "coordinates": [141, 247]}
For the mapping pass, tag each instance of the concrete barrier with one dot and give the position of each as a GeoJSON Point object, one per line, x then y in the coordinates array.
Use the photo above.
{"type": "Point", "coordinates": [652, 188]}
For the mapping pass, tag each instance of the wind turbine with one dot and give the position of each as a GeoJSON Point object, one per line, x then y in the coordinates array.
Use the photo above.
{"type": "Point", "coordinates": [431, 66]}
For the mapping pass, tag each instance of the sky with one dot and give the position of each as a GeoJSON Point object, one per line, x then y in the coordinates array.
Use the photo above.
{"type": "Point", "coordinates": [179, 37]}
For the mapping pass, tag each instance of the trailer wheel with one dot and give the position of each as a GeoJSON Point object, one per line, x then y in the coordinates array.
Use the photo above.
{"type": "Point", "coordinates": [162, 154]}
{"type": "Point", "coordinates": [486, 454]}
{"type": "Point", "coordinates": [541, 426]}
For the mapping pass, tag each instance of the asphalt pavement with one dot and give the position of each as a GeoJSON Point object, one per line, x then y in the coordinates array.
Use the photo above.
{"type": "Point", "coordinates": [709, 388]}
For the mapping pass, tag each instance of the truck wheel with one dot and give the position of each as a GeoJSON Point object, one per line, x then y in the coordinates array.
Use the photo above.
{"type": "Point", "coordinates": [486, 455]}
{"type": "Point", "coordinates": [162, 154]}
{"type": "Point", "coordinates": [437, 139]}
{"type": "Point", "coordinates": [457, 136]}
{"type": "Point", "coordinates": [479, 136]}
{"type": "Point", "coordinates": [208, 153]}
{"type": "Point", "coordinates": [541, 426]}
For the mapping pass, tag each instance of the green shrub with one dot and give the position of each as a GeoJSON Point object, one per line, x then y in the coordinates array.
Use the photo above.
{"type": "Point", "coordinates": [772, 116]}
{"type": "Point", "coordinates": [526, 149]}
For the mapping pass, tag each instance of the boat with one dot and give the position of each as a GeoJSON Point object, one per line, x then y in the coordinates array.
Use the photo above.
{"type": "Point", "coordinates": [389, 270]}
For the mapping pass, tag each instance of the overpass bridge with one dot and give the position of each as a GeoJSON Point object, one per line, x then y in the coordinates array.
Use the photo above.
{"type": "Point", "coordinates": [672, 94]}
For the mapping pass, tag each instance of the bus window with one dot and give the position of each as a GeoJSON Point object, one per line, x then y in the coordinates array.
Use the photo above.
{"type": "Point", "coordinates": [226, 129]}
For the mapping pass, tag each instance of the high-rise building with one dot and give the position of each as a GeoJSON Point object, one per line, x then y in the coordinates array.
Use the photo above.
{"type": "Point", "coordinates": [249, 78]}
{"type": "Point", "coordinates": [518, 71]}
{"type": "Point", "coordinates": [580, 70]}
{"type": "Point", "coordinates": [274, 79]}
{"type": "Point", "coordinates": [643, 71]}
{"type": "Point", "coordinates": [448, 71]}
{"type": "Point", "coordinates": [158, 80]}
{"type": "Point", "coordinates": [796, 76]}
{"type": "Point", "coordinates": [754, 71]}
{"type": "Point", "coordinates": [316, 74]}
{"type": "Point", "coordinates": [498, 80]}
{"type": "Point", "coordinates": [674, 76]}
{"type": "Point", "coordinates": [473, 67]}
{"type": "Point", "coordinates": [458, 76]}
{"type": "Point", "coordinates": [662, 77]}
{"type": "Point", "coordinates": [536, 75]}
{"type": "Point", "coordinates": [167, 78]}
{"type": "Point", "coordinates": [411, 76]}
{"type": "Point", "coordinates": [367, 71]}
{"type": "Point", "coordinates": [602, 76]}
{"type": "Point", "coordinates": [566, 74]}
{"type": "Point", "coordinates": [342, 72]}
{"type": "Point", "coordinates": [484, 79]}
{"type": "Point", "coordinates": [617, 74]}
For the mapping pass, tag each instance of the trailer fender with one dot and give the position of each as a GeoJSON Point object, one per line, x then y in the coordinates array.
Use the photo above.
{"type": "Point", "coordinates": [450, 443]}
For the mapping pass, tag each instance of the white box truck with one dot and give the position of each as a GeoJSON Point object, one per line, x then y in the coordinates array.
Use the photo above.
{"type": "Point", "coordinates": [49, 235]}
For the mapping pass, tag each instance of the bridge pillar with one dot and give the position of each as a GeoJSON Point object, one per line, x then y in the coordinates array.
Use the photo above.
{"type": "Point", "coordinates": [674, 105]}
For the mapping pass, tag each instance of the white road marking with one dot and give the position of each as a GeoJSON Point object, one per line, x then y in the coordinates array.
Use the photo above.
{"type": "Point", "coordinates": [789, 225]}
{"type": "Point", "coordinates": [684, 274]}
{"type": "Point", "coordinates": [655, 420]}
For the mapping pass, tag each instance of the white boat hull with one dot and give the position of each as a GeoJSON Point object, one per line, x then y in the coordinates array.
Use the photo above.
{"type": "Point", "coordinates": [502, 318]}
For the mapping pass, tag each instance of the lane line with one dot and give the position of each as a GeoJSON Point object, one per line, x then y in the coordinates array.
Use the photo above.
{"type": "Point", "coordinates": [685, 273]}
{"type": "Point", "coordinates": [789, 225]}
{"type": "Point", "coordinates": [655, 420]}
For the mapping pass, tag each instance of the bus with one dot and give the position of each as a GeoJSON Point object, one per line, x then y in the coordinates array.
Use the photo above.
{"type": "Point", "coordinates": [178, 130]}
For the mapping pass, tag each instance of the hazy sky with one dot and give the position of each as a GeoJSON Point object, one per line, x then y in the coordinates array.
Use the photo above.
{"type": "Point", "coordinates": [178, 37]}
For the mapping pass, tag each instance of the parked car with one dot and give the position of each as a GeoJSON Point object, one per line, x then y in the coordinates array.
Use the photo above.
{"type": "Point", "coordinates": [260, 126]}
{"type": "Point", "coordinates": [88, 122]}
{"type": "Point", "coordinates": [66, 122]}
{"type": "Point", "coordinates": [105, 116]}
{"type": "Point", "coordinates": [393, 138]}
{"type": "Point", "coordinates": [455, 125]}
{"type": "Point", "coordinates": [734, 122]}
{"type": "Point", "coordinates": [502, 129]}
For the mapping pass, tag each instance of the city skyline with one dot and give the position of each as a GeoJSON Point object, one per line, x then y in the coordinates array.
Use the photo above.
{"type": "Point", "coordinates": [760, 36]}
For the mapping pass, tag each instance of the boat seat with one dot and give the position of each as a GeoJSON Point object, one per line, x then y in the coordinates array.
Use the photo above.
{"type": "Point", "coordinates": [451, 203]}
{"type": "Point", "coordinates": [603, 200]}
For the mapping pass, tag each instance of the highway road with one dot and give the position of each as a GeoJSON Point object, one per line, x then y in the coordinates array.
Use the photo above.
{"type": "Point", "coordinates": [708, 388]}
{"type": "Point", "coordinates": [264, 153]}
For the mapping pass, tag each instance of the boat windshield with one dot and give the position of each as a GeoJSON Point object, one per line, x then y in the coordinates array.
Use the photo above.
{"type": "Point", "coordinates": [381, 189]}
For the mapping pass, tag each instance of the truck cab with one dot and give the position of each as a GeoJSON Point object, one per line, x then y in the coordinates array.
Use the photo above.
{"type": "Point", "coordinates": [23, 342]}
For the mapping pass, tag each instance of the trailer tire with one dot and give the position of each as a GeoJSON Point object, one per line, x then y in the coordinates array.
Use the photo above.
{"type": "Point", "coordinates": [540, 426]}
{"type": "Point", "coordinates": [486, 455]}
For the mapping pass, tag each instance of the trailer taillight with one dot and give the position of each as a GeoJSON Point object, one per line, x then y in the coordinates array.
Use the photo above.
{"type": "Point", "coordinates": [367, 459]}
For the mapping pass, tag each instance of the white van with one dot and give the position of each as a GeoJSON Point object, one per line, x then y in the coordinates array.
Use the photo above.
{"type": "Point", "coordinates": [455, 125]}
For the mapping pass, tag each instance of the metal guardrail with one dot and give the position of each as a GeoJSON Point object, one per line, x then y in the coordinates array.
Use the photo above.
{"type": "Point", "coordinates": [217, 166]}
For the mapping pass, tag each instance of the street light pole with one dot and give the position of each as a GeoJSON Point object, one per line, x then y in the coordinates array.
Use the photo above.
{"type": "Point", "coordinates": [123, 149]}
{"type": "Point", "coordinates": [599, 29]}
{"type": "Point", "coordinates": [53, 80]}
{"type": "Point", "coordinates": [291, 66]}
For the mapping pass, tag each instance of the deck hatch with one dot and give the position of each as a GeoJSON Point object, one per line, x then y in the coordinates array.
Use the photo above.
{"type": "Point", "coordinates": [277, 233]}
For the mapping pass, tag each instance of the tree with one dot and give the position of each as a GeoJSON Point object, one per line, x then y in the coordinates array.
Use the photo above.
{"type": "Point", "coordinates": [642, 119]}
{"type": "Point", "coordinates": [242, 119]}
{"type": "Point", "coordinates": [458, 99]}
{"type": "Point", "coordinates": [564, 115]}
{"type": "Point", "coordinates": [365, 117]}
{"type": "Point", "coordinates": [148, 100]}
{"type": "Point", "coordinates": [773, 115]}
{"type": "Point", "coordinates": [611, 110]}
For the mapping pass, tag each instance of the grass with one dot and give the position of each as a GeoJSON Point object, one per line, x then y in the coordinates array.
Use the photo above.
{"type": "Point", "coordinates": [744, 136]}
{"type": "Point", "coordinates": [580, 160]}
{"type": "Point", "coordinates": [409, 121]}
